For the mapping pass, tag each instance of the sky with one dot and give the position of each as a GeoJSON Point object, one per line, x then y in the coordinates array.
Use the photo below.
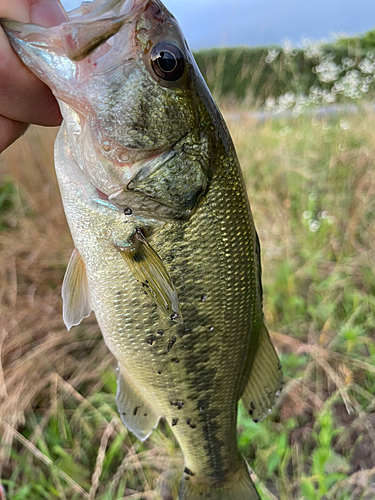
{"type": "Point", "coordinates": [216, 23]}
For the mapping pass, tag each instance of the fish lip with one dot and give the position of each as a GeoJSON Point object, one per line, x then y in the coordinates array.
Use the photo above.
{"type": "Point", "coordinates": [99, 9]}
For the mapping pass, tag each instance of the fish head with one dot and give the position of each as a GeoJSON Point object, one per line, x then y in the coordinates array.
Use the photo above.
{"type": "Point", "coordinates": [129, 90]}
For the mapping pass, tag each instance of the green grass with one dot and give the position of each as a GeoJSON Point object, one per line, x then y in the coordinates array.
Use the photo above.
{"type": "Point", "coordinates": [311, 185]}
{"type": "Point", "coordinates": [364, 40]}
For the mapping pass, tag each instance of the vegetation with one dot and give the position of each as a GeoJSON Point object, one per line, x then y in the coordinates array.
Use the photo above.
{"type": "Point", "coordinates": [318, 73]}
{"type": "Point", "coordinates": [311, 186]}
{"type": "Point", "coordinates": [366, 41]}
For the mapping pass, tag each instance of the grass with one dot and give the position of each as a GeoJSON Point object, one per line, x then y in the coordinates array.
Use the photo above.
{"type": "Point", "coordinates": [311, 185]}
{"type": "Point", "coordinates": [311, 182]}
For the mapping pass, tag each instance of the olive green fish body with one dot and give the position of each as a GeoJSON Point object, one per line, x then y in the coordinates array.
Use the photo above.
{"type": "Point", "coordinates": [192, 371]}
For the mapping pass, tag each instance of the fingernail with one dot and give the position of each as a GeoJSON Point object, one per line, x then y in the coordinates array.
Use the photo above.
{"type": "Point", "coordinates": [48, 13]}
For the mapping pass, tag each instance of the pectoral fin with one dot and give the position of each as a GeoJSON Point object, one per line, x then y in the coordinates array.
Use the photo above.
{"type": "Point", "coordinates": [265, 380]}
{"type": "Point", "coordinates": [136, 413]}
{"type": "Point", "coordinates": [75, 292]}
{"type": "Point", "coordinates": [150, 271]}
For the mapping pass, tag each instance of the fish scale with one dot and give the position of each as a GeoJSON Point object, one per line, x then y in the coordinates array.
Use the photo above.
{"type": "Point", "coordinates": [166, 253]}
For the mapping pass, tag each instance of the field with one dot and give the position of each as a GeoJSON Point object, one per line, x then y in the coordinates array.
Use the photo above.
{"type": "Point", "coordinates": [311, 184]}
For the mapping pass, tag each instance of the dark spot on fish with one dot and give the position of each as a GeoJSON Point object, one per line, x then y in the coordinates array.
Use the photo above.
{"type": "Point", "coordinates": [179, 404]}
{"type": "Point", "coordinates": [192, 426]}
{"type": "Point", "coordinates": [188, 471]}
{"type": "Point", "coordinates": [251, 413]}
{"type": "Point", "coordinates": [255, 420]}
{"type": "Point", "coordinates": [187, 478]}
{"type": "Point", "coordinates": [279, 366]}
{"type": "Point", "coordinates": [128, 211]}
{"type": "Point", "coordinates": [204, 298]}
{"type": "Point", "coordinates": [175, 360]}
{"type": "Point", "coordinates": [145, 414]}
{"type": "Point", "coordinates": [150, 339]}
{"type": "Point", "coordinates": [148, 46]}
{"type": "Point", "coordinates": [145, 293]}
{"type": "Point", "coordinates": [174, 421]}
{"type": "Point", "coordinates": [156, 13]}
{"type": "Point", "coordinates": [252, 405]}
{"type": "Point", "coordinates": [171, 343]}
{"type": "Point", "coordinates": [160, 332]}
{"type": "Point", "coordinates": [147, 281]}
{"type": "Point", "coordinates": [159, 372]}
{"type": "Point", "coordinates": [173, 316]}
{"type": "Point", "coordinates": [188, 421]}
{"type": "Point", "coordinates": [136, 410]}
{"type": "Point", "coordinates": [124, 413]}
{"type": "Point", "coordinates": [138, 257]}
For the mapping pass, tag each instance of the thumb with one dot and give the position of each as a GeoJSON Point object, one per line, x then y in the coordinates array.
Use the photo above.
{"type": "Point", "coordinates": [47, 13]}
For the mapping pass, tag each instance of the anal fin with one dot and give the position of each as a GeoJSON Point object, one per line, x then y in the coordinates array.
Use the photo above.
{"type": "Point", "coordinates": [265, 380]}
{"type": "Point", "coordinates": [75, 292]}
{"type": "Point", "coordinates": [136, 413]}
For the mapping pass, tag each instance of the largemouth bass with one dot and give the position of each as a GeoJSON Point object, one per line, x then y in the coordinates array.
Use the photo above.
{"type": "Point", "coordinates": [166, 252]}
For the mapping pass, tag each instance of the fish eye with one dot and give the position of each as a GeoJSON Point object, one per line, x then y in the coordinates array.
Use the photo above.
{"type": "Point", "coordinates": [168, 61]}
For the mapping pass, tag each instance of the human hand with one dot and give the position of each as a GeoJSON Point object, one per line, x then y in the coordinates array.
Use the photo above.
{"type": "Point", "coordinates": [24, 99]}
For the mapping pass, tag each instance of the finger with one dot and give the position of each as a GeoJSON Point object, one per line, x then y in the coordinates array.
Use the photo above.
{"type": "Point", "coordinates": [23, 97]}
{"type": "Point", "coordinates": [10, 131]}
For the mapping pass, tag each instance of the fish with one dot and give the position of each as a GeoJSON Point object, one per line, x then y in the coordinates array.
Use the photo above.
{"type": "Point", "coordinates": [166, 252]}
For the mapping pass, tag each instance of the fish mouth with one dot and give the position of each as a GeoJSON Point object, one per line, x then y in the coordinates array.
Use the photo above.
{"type": "Point", "coordinates": [90, 26]}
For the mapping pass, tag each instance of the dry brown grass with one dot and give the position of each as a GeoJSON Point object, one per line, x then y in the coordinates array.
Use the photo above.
{"type": "Point", "coordinates": [37, 352]}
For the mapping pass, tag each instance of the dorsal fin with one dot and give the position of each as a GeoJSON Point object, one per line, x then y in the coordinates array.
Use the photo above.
{"type": "Point", "coordinates": [75, 292]}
